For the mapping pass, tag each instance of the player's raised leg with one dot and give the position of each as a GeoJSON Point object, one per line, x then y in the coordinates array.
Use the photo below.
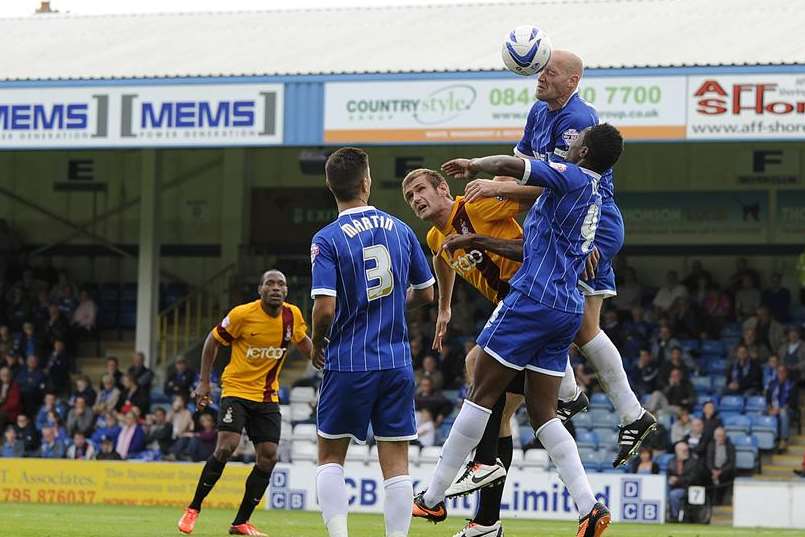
{"type": "Point", "coordinates": [636, 422]}
{"type": "Point", "coordinates": [541, 397]}
{"type": "Point", "coordinates": [226, 444]}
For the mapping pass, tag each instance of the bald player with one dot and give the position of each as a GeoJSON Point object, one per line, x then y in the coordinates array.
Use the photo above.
{"type": "Point", "coordinates": [259, 333]}
{"type": "Point", "coordinates": [555, 120]}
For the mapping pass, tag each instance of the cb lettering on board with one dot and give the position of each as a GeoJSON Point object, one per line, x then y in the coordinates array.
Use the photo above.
{"type": "Point", "coordinates": [633, 507]}
{"type": "Point", "coordinates": [364, 491]}
{"type": "Point", "coordinates": [281, 494]}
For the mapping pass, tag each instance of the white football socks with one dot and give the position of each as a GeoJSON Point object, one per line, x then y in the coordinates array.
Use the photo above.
{"type": "Point", "coordinates": [568, 389]}
{"type": "Point", "coordinates": [606, 359]}
{"type": "Point", "coordinates": [464, 436]}
{"type": "Point", "coordinates": [397, 505]}
{"type": "Point", "coordinates": [331, 491]}
{"type": "Point", "coordinates": [563, 452]}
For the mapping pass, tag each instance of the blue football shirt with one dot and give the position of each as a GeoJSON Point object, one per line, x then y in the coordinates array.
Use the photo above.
{"type": "Point", "coordinates": [558, 233]}
{"type": "Point", "coordinates": [367, 259]}
{"type": "Point", "coordinates": [548, 134]}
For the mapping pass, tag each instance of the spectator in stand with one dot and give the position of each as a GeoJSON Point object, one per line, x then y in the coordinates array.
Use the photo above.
{"type": "Point", "coordinates": [768, 331]}
{"type": "Point", "coordinates": [109, 396]}
{"type": "Point", "coordinates": [62, 281]}
{"type": "Point", "coordinates": [452, 366]}
{"type": "Point", "coordinates": [202, 444]}
{"type": "Point", "coordinates": [83, 389]}
{"type": "Point", "coordinates": [85, 315]}
{"type": "Point", "coordinates": [158, 431]}
{"type": "Point", "coordinates": [744, 376]}
{"type": "Point", "coordinates": [669, 293]}
{"type": "Point", "coordinates": [28, 343]}
{"type": "Point", "coordinates": [717, 307]}
{"type": "Point", "coordinates": [58, 367]}
{"type": "Point", "coordinates": [681, 427]}
{"type": "Point", "coordinates": [695, 438]}
{"type": "Point", "coordinates": [585, 377]}
{"type": "Point", "coordinates": [782, 398]}
{"type": "Point", "coordinates": [40, 313]}
{"type": "Point", "coordinates": [108, 452]}
{"type": "Point", "coordinates": [643, 463]}
{"type": "Point", "coordinates": [684, 470]}
{"type": "Point", "coordinates": [144, 375]}
{"type": "Point", "coordinates": [6, 339]}
{"type": "Point", "coordinates": [425, 428]}
{"type": "Point", "coordinates": [720, 462]}
{"type": "Point", "coordinates": [711, 420]}
{"type": "Point", "coordinates": [13, 363]}
{"type": "Point", "coordinates": [31, 381]}
{"type": "Point", "coordinates": [26, 431]}
{"type": "Point", "coordinates": [662, 345]}
{"type": "Point", "coordinates": [56, 422]}
{"type": "Point", "coordinates": [676, 362]}
{"type": "Point", "coordinates": [613, 328]}
{"type": "Point", "coordinates": [433, 400]}
{"type": "Point", "coordinates": [686, 319]}
{"type": "Point", "coordinates": [57, 326]}
{"type": "Point", "coordinates": [697, 275]}
{"type": "Point", "coordinates": [50, 404]}
{"type": "Point", "coordinates": [113, 369]}
{"type": "Point", "coordinates": [68, 302]}
{"type": "Point", "coordinates": [777, 298]}
{"type": "Point", "coordinates": [638, 332]}
{"type": "Point", "coordinates": [677, 394]}
{"type": "Point", "coordinates": [108, 427]}
{"type": "Point", "coordinates": [792, 352]}
{"type": "Point", "coordinates": [645, 378]}
{"type": "Point", "coordinates": [742, 270]}
{"type": "Point", "coordinates": [10, 398]}
{"type": "Point", "coordinates": [747, 299]}
{"type": "Point", "coordinates": [430, 369]}
{"type": "Point", "coordinates": [133, 396]}
{"type": "Point", "coordinates": [80, 449]}
{"type": "Point", "coordinates": [769, 371]}
{"type": "Point", "coordinates": [52, 447]}
{"type": "Point", "coordinates": [758, 350]}
{"type": "Point", "coordinates": [180, 418]}
{"type": "Point", "coordinates": [630, 292]}
{"type": "Point", "coordinates": [181, 381]}
{"type": "Point", "coordinates": [19, 309]}
{"type": "Point", "coordinates": [80, 418]}
{"type": "Point", "coordinates": [12, 446]}
{"type": "Point", "coordinates": [131, 440]}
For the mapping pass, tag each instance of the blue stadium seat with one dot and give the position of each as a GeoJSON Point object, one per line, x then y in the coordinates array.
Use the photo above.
{"type": "Point", "coordinates": [606, 421]}
{"type": "Point", "coordinates": [284, 395]}
{"type": "Point", "coordinates": [607, 440]}
{"type": "Point", "coordinates": [526, 434]}
{"type": "Point", "coordinates": [745, 460]}
{"type": "Point", "coordinates": [590, 459]}
{"type": "Point", "coordinates": [662, 461]}
{"type": "Point", "coordinates": [713, 346]}
{"type": "Point", "coordinates": [755, 405]}
{"type": "Point", "coordinates": [764, 428]}
{"type": "Point", "coordinates": [690, 345]}
{"type": "Point", "coordinates": [733, 329]}
{"type": "Point", "coordinates": [586, 439]}
{"type": "Point", "coordinates": [715, 365]}
{"type": "Point", "coordinates": [666, 420]}
{"type": "Point", "coordinates": [583, 420]}
{"type": "Point", "coordinates": [737, 423]}
{"type": "Point", "coordinates": [719, 383]}
{"type": "Point", "coordinates": [731, 403]}
{"type": "Point", "coordinates": [601, 401]}
{"type": "Point", "coordinates": [702, 384]}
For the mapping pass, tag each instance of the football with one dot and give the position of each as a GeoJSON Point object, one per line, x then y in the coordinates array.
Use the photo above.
{"type": "Point", "coordinates": [526, 50]}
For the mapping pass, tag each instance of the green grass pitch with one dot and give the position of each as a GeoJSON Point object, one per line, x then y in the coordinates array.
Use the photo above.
{"type": "Point", "coordinates": [43, 520]}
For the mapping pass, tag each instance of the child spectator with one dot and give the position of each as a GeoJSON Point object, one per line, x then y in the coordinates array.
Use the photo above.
{"type": "Point", "coordinates": [80, 449]}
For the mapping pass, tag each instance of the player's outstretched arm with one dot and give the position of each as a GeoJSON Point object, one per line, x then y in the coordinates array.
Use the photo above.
{"type": "Point", "coordinates": [323, 315]}
{"type": "Point", "coordinates": [486, 188]}
{"type": "Point", "coordinates": [208, 354]}
{"type": "Point", "coordinates": [445, 278]}
{"type": "Point", "coordinates": [305, 346]}
{"type": "Point", "coordinates": [502, 165]}
{"type": "Point", "coordinates": [416, 298]}
{"type": "Point", "coordinates": [508, 248]}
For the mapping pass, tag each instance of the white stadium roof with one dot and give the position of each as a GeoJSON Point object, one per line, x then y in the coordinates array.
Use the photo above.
{"type": "Point", "coordinates": [606, 33]}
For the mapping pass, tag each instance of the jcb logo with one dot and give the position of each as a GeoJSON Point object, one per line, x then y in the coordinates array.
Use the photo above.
{"type": "Point", "coordinates": [467, 262]}
{"type": "Point", "coordinates": [270, 353]}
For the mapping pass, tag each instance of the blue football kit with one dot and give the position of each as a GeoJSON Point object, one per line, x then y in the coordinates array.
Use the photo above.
{"type": "Point", "coordinates": [547, 136]}
{"type": "Point", "coordinates": [533, 327]}
{"type": "Point", "coordinates": [367, 259]}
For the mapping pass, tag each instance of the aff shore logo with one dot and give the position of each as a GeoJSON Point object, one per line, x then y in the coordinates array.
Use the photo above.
{"type": "Point", "coordinates": [195, 114]}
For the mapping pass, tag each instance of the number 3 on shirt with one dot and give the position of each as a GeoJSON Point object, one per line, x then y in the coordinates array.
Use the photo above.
{"type": "Point", "coordinates": [381, 271]}
{"type": "Point", "coordinates": [588, 228]}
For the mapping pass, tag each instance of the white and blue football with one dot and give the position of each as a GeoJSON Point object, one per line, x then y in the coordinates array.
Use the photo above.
{"type": "Point", "coordinates": [526, 50]}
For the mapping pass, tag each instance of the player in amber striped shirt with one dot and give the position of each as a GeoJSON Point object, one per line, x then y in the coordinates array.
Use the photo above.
{"type": "Point", "coordinates": [259, 333]}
